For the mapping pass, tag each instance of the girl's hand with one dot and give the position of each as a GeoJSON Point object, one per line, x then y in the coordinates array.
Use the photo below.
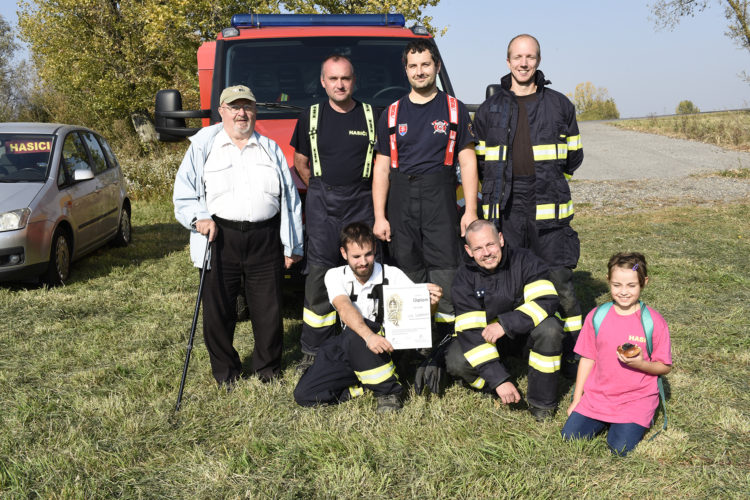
{"type": "Point", "coordinates": [633, 362]}
{"type": "Point", "coordinates": [573, 405]}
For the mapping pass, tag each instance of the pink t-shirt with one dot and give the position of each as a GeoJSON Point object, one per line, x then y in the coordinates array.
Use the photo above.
{"type": "Point", "coordinates": [613, 392]}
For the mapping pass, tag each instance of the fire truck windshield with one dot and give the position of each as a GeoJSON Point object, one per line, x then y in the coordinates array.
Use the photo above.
{"type": "Point", "coordinates": [284, 74]}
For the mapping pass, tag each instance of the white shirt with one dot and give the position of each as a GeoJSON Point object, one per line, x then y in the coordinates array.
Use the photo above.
{"type": "Point", "coordinates": [341, 281]}
{"type": "Point", "coordinates": [241, 184]}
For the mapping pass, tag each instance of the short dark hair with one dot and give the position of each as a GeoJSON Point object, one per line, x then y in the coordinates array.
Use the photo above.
{"type": "Point", "coordinates": [629, 260]}
{"type": "Point", "coordinates": [419, 46]}
{"type": "Point", "coordinates": [357, 232]}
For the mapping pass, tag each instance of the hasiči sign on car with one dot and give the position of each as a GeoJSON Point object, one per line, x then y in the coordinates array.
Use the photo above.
{"type": "Point", "coordinates": [17, 147]}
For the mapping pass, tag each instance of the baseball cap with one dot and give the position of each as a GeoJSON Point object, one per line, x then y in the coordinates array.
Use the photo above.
{"type": "Point", "coordinates": [231, 94]}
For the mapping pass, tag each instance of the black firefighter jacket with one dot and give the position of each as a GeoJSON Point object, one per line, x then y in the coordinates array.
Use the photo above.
{"type": "Point", "coordinates": [556, 144]}
{"type": "Point", "coordinates": [517, 294]}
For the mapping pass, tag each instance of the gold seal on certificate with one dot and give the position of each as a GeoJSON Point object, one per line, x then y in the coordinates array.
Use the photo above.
{"type": "Point", "coordinates": [407, 322]}
{"type": "Point", "coordinates": [394, 304]}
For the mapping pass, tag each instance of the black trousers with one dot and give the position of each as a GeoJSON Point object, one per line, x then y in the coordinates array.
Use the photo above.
{"type": "Point", "coordinates": [559, 247]}
{"type": "Point", "coordinates": [344, 367]}
{"type": "Point", "coordinates": [328, 209]}
{"type": "Point", "coordinates": [256, 255]}
{"type": "Point", "coordinates": [425, 233]}
{"type": "Point", "coordinates": [544, 345]}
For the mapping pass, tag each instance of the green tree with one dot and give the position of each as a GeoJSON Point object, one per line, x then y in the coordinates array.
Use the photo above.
{"type": "Point", "coordinates": [100, 60]}
{"type": "Point", "coordinates": [668, 14]}
{"type": "Point", "coordinates": [12, 74]}
{"type": "Point", "coordinates": [686, 107]}
{"type": "Point", "coordinates": [593, 103]}
{"type": "Point", "coordinates": [411, 9]}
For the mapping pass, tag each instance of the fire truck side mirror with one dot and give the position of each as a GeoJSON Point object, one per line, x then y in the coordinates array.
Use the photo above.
{"type": "Point", "coordinates": [168, 101]}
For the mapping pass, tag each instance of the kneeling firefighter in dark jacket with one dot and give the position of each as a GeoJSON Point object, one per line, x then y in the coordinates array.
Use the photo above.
{"type": "Point", "coordinates": [504, 302]}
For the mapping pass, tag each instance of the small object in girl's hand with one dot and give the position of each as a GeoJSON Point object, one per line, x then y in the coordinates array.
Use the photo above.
{"type": "Point", "coordinates": [629, 350]}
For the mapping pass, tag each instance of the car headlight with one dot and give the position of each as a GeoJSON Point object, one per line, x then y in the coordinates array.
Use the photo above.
{"type": "Point", "coordinates": [15, 219]}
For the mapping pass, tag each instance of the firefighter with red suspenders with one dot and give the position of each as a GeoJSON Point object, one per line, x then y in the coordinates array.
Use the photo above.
{"type": "Point", "coordinates": [421, 139]}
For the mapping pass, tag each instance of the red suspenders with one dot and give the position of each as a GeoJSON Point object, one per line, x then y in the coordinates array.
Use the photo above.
{"type": "Point", "coordinates": [392, 114]}
{"type": "Point", "coordinates": [449, 151]}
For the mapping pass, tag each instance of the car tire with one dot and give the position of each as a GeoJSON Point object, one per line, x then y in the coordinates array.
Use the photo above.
{"type": "Point", "coordinates": [59, 259]}
{"type": "Point", "coordinates": [124, 229]}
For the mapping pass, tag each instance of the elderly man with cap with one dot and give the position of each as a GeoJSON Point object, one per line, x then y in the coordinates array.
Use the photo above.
{"type": "Point", "coordinates": [234, 188]}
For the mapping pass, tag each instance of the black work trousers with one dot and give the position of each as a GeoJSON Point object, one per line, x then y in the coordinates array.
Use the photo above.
{"type": "Point", "coordinates": [344, 367]}
{"type": "Point", "coordinates": [557, 246]}
{"type": "Point", "coordinates": [256, 255]}
{"type": "Point", "coordinates": [328, 209]}
{"type": "Point", "coordinates": [544, 345]}
{"type": "Point", "coordinates": [425, 232]}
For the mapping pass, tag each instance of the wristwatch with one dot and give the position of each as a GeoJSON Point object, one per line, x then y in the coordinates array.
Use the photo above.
{"type": "Point", "coordinates": [192, 223]}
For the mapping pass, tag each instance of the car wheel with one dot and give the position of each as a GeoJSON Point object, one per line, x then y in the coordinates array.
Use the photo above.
{"type": "Point", "coordinates": [59, 259]}
{"type": "Point", "coordinates": [123, 236]}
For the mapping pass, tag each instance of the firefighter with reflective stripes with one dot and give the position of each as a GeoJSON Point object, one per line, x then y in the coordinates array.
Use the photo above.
{"type": "Point", "coordinates": [529, 146]}
{"type": "Point", "coordinates": [337, 139]}
{"type": "Point", "coordinates": [421, 139]}
{"type": "Point", "coordinates": [360, 357]}
{"type": "Point", "coordinates": [504, 303]}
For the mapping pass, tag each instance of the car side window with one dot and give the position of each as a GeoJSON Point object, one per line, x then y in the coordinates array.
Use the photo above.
{"type": "Point", "coordinates": [74, 157]}
{"type": "Point", "coordinates": [97, 155]}
{"type": "Point", "coordinates": [111, 159]}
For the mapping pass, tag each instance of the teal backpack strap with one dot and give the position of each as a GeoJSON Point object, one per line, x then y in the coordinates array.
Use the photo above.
{"type": "Point", "coordinates": [648, 329]}
{"type": "Point", "coordinates": [599, 315]}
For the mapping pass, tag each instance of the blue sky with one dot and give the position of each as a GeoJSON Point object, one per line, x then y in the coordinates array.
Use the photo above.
{"type": "Point", "coordinates": [610, 43]}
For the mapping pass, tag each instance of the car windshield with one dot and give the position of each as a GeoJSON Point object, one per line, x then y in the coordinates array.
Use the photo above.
{"type": "Point", "coordinates": [24, 157]}
{"type": "Point", "coordinates": [284, 74]}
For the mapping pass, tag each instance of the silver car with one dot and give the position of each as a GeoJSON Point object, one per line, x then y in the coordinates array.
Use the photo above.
{"type": "Point", "coordinates": [62, 195]}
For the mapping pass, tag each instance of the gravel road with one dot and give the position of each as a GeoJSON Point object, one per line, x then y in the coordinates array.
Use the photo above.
{"type": "Point", "coordinates": [625, 169]}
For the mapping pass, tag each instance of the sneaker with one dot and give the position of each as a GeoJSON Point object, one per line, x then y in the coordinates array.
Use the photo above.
{"type": "Point", "coordinates": [389, 403]}
{"type": "Point", "coordinates": [542, 414]}
{"type": "Point", "coordinates": [305, 363]}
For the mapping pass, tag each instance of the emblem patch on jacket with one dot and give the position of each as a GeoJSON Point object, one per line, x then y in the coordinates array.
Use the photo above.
{"type": "Point", "coordinates": [440, 127]}
{"type": "Point", "coordinates": [402, 127]}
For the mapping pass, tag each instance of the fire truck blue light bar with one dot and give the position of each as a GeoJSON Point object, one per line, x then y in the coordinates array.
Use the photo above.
{"type": "Point", "coordinates": [268, 20]}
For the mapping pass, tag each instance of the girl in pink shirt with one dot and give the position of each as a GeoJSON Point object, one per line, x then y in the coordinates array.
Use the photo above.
{"type": "Point", "coordinates": [611, 389]}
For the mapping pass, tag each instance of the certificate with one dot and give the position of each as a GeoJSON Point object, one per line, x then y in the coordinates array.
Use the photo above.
{"type": "Point", "coordinates": [407, 320]}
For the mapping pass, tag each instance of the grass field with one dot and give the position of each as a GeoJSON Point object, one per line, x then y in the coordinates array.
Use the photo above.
{"type": "Point", "coordinates": [89, 375]}
{"type": "Point", "coordinates": [728, 129]}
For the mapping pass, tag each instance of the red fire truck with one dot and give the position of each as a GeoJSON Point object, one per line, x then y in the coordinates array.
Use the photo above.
{"type": "Point", "coordinates": [279, 56]}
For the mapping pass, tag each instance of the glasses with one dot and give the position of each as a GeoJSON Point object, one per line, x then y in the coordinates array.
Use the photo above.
{"type": "Point", "coordinates": [235, 108]}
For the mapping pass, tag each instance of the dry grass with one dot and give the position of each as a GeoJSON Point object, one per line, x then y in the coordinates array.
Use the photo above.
{"type": "Point", "coordinates": [89, 374]}
{"type": "Point", "coordinates": [728, 129]}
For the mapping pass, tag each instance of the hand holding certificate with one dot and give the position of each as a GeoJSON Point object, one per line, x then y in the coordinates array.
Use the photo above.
{"type": "Point", "coordinates": [407, 320]}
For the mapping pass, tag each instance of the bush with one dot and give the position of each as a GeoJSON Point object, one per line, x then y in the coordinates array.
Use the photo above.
{"type": "Point", "coordinates": [593, 103]}
{"type": "Point", "coordinates": [686, 108]}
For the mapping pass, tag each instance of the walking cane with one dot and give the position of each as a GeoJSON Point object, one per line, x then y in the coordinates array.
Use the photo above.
{"type": "Point", "coordinates": [206, 260]}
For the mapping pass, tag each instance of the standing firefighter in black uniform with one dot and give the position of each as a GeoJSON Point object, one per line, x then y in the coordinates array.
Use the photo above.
{"type": "Point", "coordinates": [360, 357]}
{"type": "Point", "coordinates": [504, 302]}
{"type": "Point", "coordinates": [337, 138]}
{"type": "Point", "coordinates": [529, 146]}
{"type": "Point", "coordinates": [421, 138]}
